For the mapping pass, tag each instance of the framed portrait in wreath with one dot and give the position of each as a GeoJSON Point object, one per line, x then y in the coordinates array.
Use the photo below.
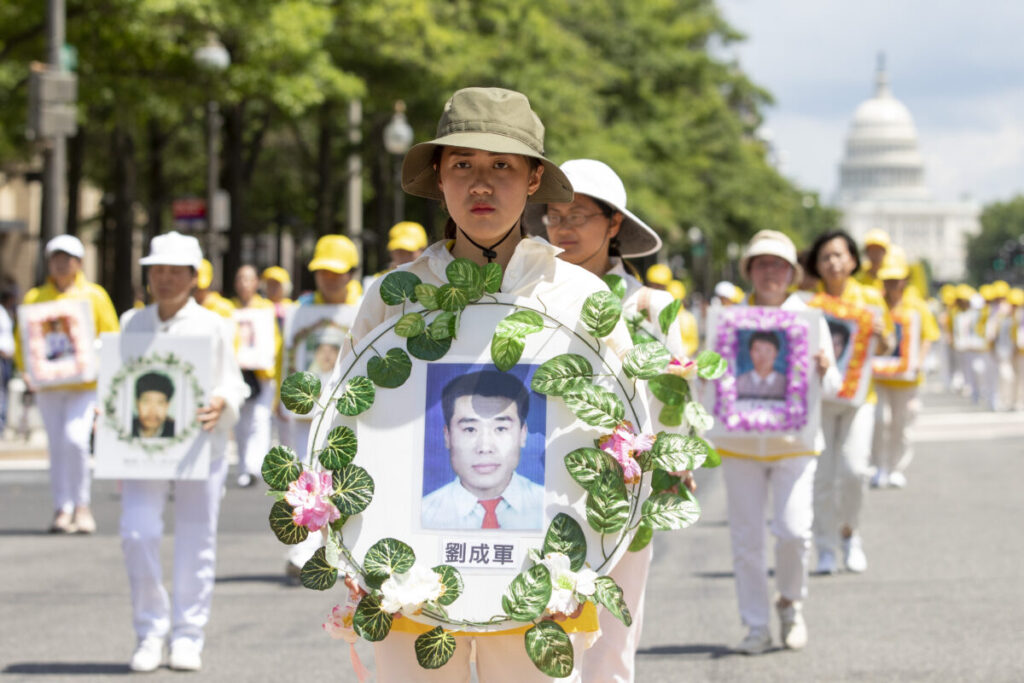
{"type": "Point", "coordinates": [850, 327]}
{"type": "Point", "coordinates": [770, 388]}
{"type": "Point", "coordinates": [902, 363]}
{"type": "Point", "coordinates": [149, 388]}
{"type": "Point", "coordinates": [314, 337]}
{"type": "Point", "coordinates": [58, 341]}
{"type": "Point", "coordinates": [255, 330]}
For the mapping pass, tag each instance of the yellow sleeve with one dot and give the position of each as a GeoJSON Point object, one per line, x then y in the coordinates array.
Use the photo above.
{"type": "Point", "coordinates": [929, 326]}
{"type": "Point", "coordinates": [103, 311]}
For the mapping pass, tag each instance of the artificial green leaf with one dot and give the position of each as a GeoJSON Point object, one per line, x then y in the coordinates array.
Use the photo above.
{"type": "Point", "coordinates": [698, 417]}
{"type": "Point", "coordinates": [332, 550]}
{"type": "Point", "coordinates": [609, 594]}
{"type": "Point", "coordinates": [317, 574]}
{"type": "Point", "coordinates": [616, 284]}
{"type": "Point", "coordinates": [608, 503]}
{"type": "Point", "coordinates": [427, 348]}
{"type": "Point", "coordinates": [426, 295]}
{"type": "Point", "coordinates": [492, 277]}
{"type": "Point", "coordinates": [434, 648]}
{"type": "Point", "coordinates": [443, 326]}
{"type": "Point", "coordinates": [467, 276]}
{"type": "Point", "coordinates": [357, 397]}
{"type": "Point", "coordinates": [646, 361]}
{"type": "Point", "coordinates": [398, 286]}
{"type": "Point", "coordinates": [675, 452]}
{"type": "Point", "coordinates": [528, 595]}
{"type": "Point", "coordinates": [643, 536]}
{"type": "Point", "coordinates": [587, 465]}
{"type": "Point", "coordinates": [390, 370]}
{"type": "Point", "coordinates": [561, 374]}
{"type": "Point", "coordinates": [641, 336]}
{"type": "Point", "coordinates": [710, 365]}
{"type": "Point", "coordinates": [601, 311]}
{"type": "Point", "coordinates": [713, 459]}
{"type": "Point", "coordinates": [666, 511]}
{"type": "Point", "coordinates": [283, 525]}
{"type": "Point", "coordinates": [596, 406]}
{"type": "Point", "coordinates": [670, 389]}
{"type": "Point", "coordinates": [506, 350]}
{"type": "Point", "coordinates": [451, 583]}
{"type": "Point", "coordinates": [340, 448]}
{"type": "Point", "coordinates": [410, 325]}
{"type": "Point", "coordinates": [565, 535]}
{"type": "Point", "coordinates": [550, 649]}
{"type": "Point", "coordinates": [668, 315]}
{"type": "Point", "coordinates": [671, 416]}
{"type": "Point", "coordinates": [386, 557]}
{"type": "Point", "coordinates": [353, 489]}
{"type": "Point", "coordinates": [663, 481]}
{"type": "Point", "coordinates": [370, 621]}
{"type": "Point", "coordinates": [300, 391]}
{"type": "Point", "coordinates": [451, 298]}
{"type": "Point", "coordinates": [339, 523]}
{"type": "Point", "coordinates": [520, 324]}
{"type": "Point", "coordinates": [280, 468]}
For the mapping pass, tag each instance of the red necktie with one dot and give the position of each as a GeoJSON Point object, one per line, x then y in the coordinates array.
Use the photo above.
{"type": "Point", "coordinates": [490, 516]}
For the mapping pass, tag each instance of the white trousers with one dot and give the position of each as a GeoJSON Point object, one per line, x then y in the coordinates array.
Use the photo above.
{"type": "Point", "coordinates": [747, 485]}
{"type": "Point", "coordinates": [499, 659]}
{"type": "Point", "coordinates": [252, 431]}
{"type": "Point", "coordinates": [613, 656]}
{"type": "Point", "coordinates": [841, 477]}
{"type": "Point", "coordinates": [1018, 386]}
{"type": "Point", "coordinates": [895, 413]}
{"type": "Point", "coordinates": [196, 508]}
{"type": "Point", "coordinates": [68, 418]}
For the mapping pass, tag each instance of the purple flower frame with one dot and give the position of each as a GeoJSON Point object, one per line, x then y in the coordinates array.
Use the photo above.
{"type": "Point", "coordinates": [791, 415]}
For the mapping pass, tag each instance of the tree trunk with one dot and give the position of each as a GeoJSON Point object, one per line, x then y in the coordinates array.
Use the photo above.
{"type": "Point", "coordinates": [326, 197]}
{"type": "Point", "coordinates": [76, 157]}
{"type": "Point", "coordinates": [157, 200]}
{"type": "Point", "coordinates": [235, 185]}
{"type": "Point", "coordinates": [125, 183]}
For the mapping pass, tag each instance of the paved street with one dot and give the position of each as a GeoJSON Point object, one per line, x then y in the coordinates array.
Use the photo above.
{"type": "Point", "coordinates": [943, 598]}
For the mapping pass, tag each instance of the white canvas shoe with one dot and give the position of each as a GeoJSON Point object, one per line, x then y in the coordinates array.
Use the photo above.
{"type": "Point", "coordinates": [148, 655]}
{"type": "Point", "coordinates": [853, 554]}
{"type": "Point", "coordinates": [792, 628]}
{"type": "Point", "coordinates": [880, 479]}
{"type": "Point", "coordinates": [826, 562]}
{"type": "Point", "coordinates": [185, 655]}
{"type": "Point", "coordinates": [897, 480]}
{"type": "Point", "coordinates": [757, 641]}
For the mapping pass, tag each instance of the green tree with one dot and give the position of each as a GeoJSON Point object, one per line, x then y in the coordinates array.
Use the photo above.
{"type": "Point", "coordinates": [997, 252]}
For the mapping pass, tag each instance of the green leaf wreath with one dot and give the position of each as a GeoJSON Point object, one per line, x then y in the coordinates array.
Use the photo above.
{"type": "Point", "coordinates": [611, 473]}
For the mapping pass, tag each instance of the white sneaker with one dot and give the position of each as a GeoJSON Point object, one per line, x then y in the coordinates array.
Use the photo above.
{"type": "Point", "coordinates": [880, 479]}
{"type": "Point", "coordinates": [245, 480]}
{"type": "Point", "coordinates": [792, 628]}
{"type": "Point", "coordinates": [757, 641]}
{"type": "Point", "coordinates": [826, 562]}
{"type": "Point", "coordinates": [853, 554]}
{"type": "Point", "coordinates": [897, 480]}
{"type": "Point", "coordinates": [148, 655]}
{"type": "Point", "coordinates": [185, 655]}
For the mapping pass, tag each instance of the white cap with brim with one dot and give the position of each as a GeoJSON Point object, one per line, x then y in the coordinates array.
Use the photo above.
{"type": "Point", "coordinates": [69, 244]}
{"type": "Point", "coordinates": [173, 249]}
{"type": "Point", "coordinates": [771, 243]}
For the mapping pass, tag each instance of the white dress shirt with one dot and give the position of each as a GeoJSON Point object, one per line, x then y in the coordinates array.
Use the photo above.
{"type": "Point", "coordinates": [453, 507]}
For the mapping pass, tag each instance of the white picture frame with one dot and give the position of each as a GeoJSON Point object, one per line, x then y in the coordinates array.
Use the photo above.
{"type": "Point", "coordinates": [254, 328]}
{"type": "Point", "coordinates": [58, 342]}
{"type": "Point", "coordinates": [315, 336]}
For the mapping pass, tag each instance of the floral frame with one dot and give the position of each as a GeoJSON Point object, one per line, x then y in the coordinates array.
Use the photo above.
{"type": "Point", "coordinates": [857, 378]}
{"type": "Point", "coordinates": [77, 316]}
{"type": "Point", "coordinates": [904, 365]}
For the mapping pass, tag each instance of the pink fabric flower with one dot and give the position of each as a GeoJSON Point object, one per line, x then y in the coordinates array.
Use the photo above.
{"type": "Point", "coordinates": [339, 623]}
{"type": "Point", "coordinates": [310, 496]}
{"type": "Point", "coordinates": [624, 444]}
{"type": "Point", "coordinates": [686, 369]}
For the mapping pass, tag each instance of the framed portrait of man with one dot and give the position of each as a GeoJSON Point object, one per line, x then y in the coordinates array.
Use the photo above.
{"type": "Point", "coordinates": [150, 387]}
{"type": "Point", "coordinates": [902, 363]}
{"type": "Point", "coordinates": [58, 341]}
{"type": "Point", "coordinates": [255, 331]}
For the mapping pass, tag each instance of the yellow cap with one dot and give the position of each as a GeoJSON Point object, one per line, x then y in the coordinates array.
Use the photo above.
{"type": "Point", "coordinates": [659, 274]}
{"type": "Point", "coordinates": [335, 253]}
{"type": "Point", "coordinates": [986, 292]}
{"type": "Point", "coordinates": [277, 274]}
{"type": "Point", "coordinates": [676, 289]}
{"type": "Point", "coordinates": [204, 277]}
{"type": "Point", "coordinates": [1000, 289]}
{"type": "Point", "coordinates": [964, 292]}
{"type": "Point", "coordinates": [1016, 297]}
{"type": "Point", "coordinates": [947, 294]}
{"type": "Point", "coordinates": [408, 236]}
{"type": "Point", "coordinates": [878, 238]}
{"type": "Point", "coordinates": [894, 265]}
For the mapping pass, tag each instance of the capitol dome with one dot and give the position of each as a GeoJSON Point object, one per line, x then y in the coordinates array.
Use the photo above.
{"type": "Point", "coordinates": [882, 160]}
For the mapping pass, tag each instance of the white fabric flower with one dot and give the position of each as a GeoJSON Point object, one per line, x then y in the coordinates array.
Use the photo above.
{"type": "Point", "coordinates": [567, 585]}
{"type": "Point", "coordinates": [409, 590]}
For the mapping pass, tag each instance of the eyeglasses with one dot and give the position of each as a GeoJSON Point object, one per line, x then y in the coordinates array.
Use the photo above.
{"type": "Point", "coordinates": [572, 220]}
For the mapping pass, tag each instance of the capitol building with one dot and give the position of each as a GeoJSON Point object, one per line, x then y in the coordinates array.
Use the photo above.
{"type": "Point", "coordinates": [882, 185]}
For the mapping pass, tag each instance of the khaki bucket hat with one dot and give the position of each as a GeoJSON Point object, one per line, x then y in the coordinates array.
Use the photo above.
{"type": "Point", "coordinates": [493, 120]}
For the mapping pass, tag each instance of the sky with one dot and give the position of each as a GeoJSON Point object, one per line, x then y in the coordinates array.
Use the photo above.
{"type": "Point", "coordinates": [958, 66]}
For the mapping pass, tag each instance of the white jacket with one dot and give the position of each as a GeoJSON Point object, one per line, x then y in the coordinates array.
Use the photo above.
{"type": "Point", "coordinates": [653, 301]}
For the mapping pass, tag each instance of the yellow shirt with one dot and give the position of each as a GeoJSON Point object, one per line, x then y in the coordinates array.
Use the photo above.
{"type": "Point", "coordinates": [865, 278]}
{"type": "Point", "coordinates": [688, 331]}
{"type": "Point", "coordinates": [929, 333]}
{"type": "Point", "coordinates": [258, 301]}
{"type": "Point", "coordinates": [218, 304]}
{"type": "Point", "coordinates": [104, 315]}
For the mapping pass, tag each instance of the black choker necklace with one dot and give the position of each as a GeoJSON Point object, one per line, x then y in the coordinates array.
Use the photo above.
{"type": "Point", "coordinates": [488, 252]}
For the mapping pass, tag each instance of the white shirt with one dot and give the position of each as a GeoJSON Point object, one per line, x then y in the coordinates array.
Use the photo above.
{"type": "Point", "coordinates": [453, 507]}
{"type": "Point", "coordinates": [194, 320]}
{"type": "Point", "coordinates": [653, 302]}
{"type": "Point", "coordinates": [6, 334]}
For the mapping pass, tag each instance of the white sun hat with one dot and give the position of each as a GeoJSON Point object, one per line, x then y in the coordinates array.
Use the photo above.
{"type": "Point", "coordinates": [771, 243]}
{"type": "Point", "coordinates": [173, 249]}
{"type": "Point", "coordinates": [69, 244]}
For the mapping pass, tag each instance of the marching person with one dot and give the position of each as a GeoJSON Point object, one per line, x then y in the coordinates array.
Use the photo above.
{"type": "Point", "coordinates": [756, 467]}
{"type": "Point", "coordinates": [406, 241]}
{"type": "Point", "coordinates": [173, 263]}
{"type": "Point", "coordinates": [278, 286]}
{"type": "Point", "coordinates": [68, 411]}
{"type": "Point", "coordinates": [841, 478]}
{"type": "Point", "coordinates": [209, 298]}
{"type": "Point", "coordinates": [876, 245]}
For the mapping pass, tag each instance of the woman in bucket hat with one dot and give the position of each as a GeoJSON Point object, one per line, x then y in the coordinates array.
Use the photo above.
{"type": "Point", "coordinates": [756, 466]}
{"type": "Point", "coordinates": [486, 163]}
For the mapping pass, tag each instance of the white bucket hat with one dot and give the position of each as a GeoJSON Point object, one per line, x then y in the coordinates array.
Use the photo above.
{"type": "Point", "coordinates": [771, 243]}
{"type": "Point", "coordinates": [69, 244]}
{"type": "Point", "coordinates": [173, 249]}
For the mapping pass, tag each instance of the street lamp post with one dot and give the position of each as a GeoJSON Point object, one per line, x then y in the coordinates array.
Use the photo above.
{"type": "Point", "coordinates": [397, 140]}
{"type": "Point", "coordinates": [213, 57]}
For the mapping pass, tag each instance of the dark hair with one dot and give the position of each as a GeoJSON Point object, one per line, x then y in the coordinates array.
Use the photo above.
{"type": "Point", "coordinates": [487, 383]}
{"type": "Point", "coordinates": [840, 329]}
{"type": "Point", "coordinates": [812, 253]}
{"type": "Point", "coordinates": [762, 335]}
{"type": "Point", "coordinates": [154, 381]}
